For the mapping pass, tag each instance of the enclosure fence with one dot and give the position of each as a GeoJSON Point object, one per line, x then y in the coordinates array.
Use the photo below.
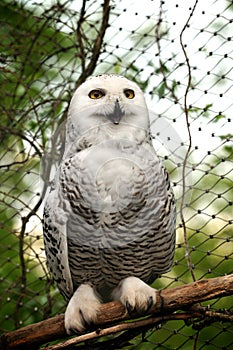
{"type": "Point", "coordinates": [181, 55]}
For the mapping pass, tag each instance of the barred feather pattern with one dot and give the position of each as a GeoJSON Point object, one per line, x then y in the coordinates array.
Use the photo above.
{"type": "Point", "coordinates": [135, 238]}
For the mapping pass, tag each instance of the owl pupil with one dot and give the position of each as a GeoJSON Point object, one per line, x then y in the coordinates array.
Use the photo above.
{"type": "Point", "coordinates": [129, 93]}
{"type": "Point", "coordinates": [96, 94]}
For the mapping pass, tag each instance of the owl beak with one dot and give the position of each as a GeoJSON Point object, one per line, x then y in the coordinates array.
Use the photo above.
{"type": "Point", "coordinates": [117, 114]}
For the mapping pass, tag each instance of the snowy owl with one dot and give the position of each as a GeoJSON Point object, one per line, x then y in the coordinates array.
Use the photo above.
{"type": "Point", "coordinates": [109, 218]}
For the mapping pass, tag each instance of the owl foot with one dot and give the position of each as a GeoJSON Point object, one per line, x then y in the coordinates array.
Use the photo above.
{"type": "Point", "coordinates": [135, 295]}
{"type": "Point", "coordinates": [82, 309]}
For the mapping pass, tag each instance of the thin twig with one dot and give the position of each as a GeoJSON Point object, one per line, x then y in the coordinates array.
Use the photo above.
{"type": "Point", "coordinates": [189, 145]}
{"type": "Point", "coordinates": [151, 322]}
{"type": "Point", "coordinates": [195, 340]}
{"type": "Point", "coordinates": [97, 44]}
{"type": "Point", "coordinates": [80, 36]}
{"type": "Point", "coordinates": [23, 136]}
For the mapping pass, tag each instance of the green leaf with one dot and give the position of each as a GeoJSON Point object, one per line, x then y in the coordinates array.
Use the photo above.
{"type": "Point", "coordinates": [161, 90]}
{"type": "Point", "coordinates": [218, 117]}
{"type": "Point", "coordinates": [226, 137]}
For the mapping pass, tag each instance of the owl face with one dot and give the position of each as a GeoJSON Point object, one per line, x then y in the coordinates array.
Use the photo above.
{"type": "Point", "coordinates": [108, 99]}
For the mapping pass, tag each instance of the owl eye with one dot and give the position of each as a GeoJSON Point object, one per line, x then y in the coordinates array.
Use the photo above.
{"type": "Point", "coordinates": [95, 94]}
{"type": "Point", "coordinates": [129, 93]}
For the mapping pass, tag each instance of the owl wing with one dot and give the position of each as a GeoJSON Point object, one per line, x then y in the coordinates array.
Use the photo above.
{"type": "Point", "coordinates": [55, 239]}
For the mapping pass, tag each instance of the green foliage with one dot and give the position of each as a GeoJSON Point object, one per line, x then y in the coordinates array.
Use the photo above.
{"type": "Point", "coordinates": [30, 44]}
{"type": "Point", "coordinates": [218, 117]}
{"type": "Point", "coordinates": [29, 113]}
{"type": "Point", "coordinates": [134, 74]}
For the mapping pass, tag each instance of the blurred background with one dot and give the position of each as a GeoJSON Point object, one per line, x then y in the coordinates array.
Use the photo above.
{"type": "Point", "coordinates": [180, 53]}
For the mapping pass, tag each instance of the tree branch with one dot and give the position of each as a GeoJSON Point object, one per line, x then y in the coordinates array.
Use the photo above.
{"type": "Point", "coordinates": [186, 111]}
{"type": "Point", "coordinates": [86, 71]}
{"type": "Point", "coordinates": [168, 301]}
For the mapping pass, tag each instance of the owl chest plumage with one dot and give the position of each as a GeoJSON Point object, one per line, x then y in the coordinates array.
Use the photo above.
{"type": "Point", "coordinates": [117, 193]}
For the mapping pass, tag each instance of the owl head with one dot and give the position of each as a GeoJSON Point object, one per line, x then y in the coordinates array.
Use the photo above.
{"type": "Point", "coordinates": [108, 99]}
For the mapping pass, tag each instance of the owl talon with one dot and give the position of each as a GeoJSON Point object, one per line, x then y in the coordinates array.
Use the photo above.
{"type": "Point", "coordinates": [82, 309]}
{"type": "Point", "coordinates": [149, 303]}
{"type": "Point", "coordinates": [129, 307]}
{"type": "Point", "coordinates": [84, 321]}
{"type": "Point", "coordinates": [135, 295]}
{"type": "Point", "coordinates": [71, 331]}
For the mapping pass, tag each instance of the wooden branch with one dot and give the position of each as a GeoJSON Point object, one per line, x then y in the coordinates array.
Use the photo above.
{"type": "Point", "coordinates": [141, 324]}
{"type": "Point", "coordinates": [97, 45]}
{"type": "Point", "coordinates": [168, 301]}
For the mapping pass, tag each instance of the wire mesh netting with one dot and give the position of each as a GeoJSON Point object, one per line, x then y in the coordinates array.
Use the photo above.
{"type": "Point", "coordinates": [180, 53]}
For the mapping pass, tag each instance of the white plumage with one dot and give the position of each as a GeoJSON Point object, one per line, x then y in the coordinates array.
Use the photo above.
{"type": "Point", "coordinates": [109, 219]}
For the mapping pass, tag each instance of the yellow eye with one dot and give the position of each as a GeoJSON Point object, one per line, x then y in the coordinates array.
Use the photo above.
{"type": "Point", "coordinates": [95, 94]}
{"type": "Point", "coordinates": [129, 93]}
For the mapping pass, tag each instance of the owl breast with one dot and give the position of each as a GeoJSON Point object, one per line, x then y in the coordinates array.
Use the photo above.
{"type": "Point", "coordinates": [118, 195]}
